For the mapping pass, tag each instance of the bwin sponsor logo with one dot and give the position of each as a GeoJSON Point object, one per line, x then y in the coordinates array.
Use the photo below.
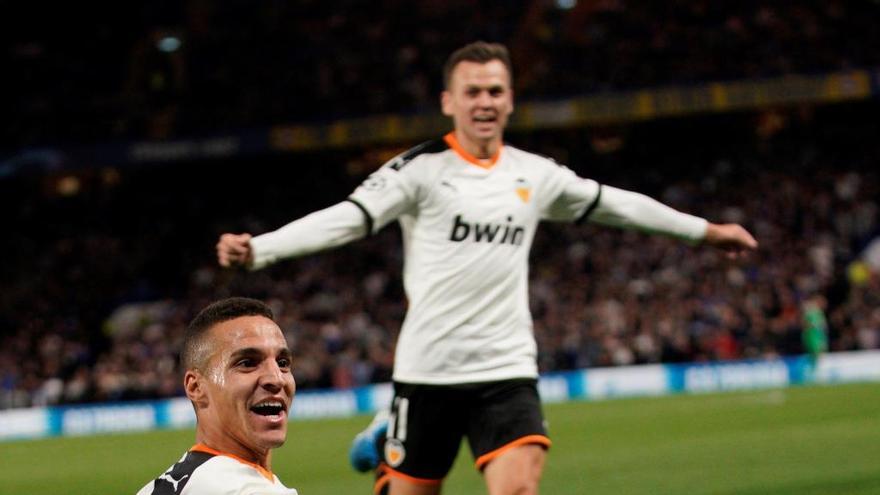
{"type": "Point", "coordinates": [487, 232]}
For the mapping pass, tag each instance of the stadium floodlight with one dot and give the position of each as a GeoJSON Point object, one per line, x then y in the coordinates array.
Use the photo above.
{"type": "Point", "coordinates": [168, 44]}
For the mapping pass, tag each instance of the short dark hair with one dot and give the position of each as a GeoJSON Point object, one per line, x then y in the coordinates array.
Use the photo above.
{"type": "Point", "coordinates": [480, 52]}
{"type": "Point", "coordinates": [192, 355]}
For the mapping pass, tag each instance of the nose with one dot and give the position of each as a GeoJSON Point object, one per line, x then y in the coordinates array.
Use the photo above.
{"type": "Point", "coordinates": [484, 99]}
{"type": "Point", "coordinates": [273, 378]}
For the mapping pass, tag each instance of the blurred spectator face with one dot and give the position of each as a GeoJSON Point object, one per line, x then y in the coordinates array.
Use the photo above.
{"type": "Point", "coordinates": [244, 394]}
{"type": "Point", "coordinates": [479, 100]}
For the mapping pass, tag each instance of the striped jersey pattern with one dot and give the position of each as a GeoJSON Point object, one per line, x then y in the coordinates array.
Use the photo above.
{"type": "Point", "coordinates": [203, 473]}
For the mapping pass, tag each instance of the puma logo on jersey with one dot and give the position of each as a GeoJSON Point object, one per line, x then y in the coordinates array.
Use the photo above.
{"type": "Point", "coordinates": [167, 477]}
{"type": "Point", "coordinates": [487, 232]}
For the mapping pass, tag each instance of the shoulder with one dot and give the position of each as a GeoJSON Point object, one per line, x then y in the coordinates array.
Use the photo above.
{"type": "Point", "coordinates": [538, 167]}
{"type": "Point", "coordinates": [201, 473]}
{"type": "Point", "coordinates": [225, 475]}
{"type": "Point", "coordinates": [220, 475]}
{"type": "Point", "coordinates": [418, 153]}
{"type": "Point", "coordinates": [174, 480]}
{"type": "Point", "coordinates": [531, 158]}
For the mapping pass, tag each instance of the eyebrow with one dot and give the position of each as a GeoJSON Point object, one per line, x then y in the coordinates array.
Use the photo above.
{"type": "Point", "coordinates": [255, 351]}
{"type": "Point", "coordinates": [480, 86]}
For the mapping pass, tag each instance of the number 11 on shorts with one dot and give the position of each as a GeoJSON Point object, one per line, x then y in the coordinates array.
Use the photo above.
{"type": "Point", "coordinates": [397, 422]}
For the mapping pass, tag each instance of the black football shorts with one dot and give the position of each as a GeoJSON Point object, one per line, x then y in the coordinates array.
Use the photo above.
{"type": "Point", "coordinates": [428, 422]}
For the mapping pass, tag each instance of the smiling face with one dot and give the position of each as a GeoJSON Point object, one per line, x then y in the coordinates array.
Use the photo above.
{"type": "Point", "coordinates": [244, 392]}
{"type": "Point", "coordinates": [479, 100]}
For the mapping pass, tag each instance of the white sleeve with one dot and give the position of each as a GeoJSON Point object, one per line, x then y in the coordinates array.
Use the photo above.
{"type": "Point", "coordinates": [339, 224]}
{"type": "Point", "coordinates": [386, 194]}
{"type": "Point", "coordinates": [571, 195]}
{"type": "Point", "coordinates": [631, 210]}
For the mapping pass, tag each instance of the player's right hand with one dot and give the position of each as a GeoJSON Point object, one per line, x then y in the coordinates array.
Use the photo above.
{"type": "Point", "coordinates": [235, 250]}
{"type": "Point", "coordinates": [732, 238]}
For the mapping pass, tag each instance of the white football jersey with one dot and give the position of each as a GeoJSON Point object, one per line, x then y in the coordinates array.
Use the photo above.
{"type": "Point", "coordinates": [467, 229]}
{"type": "Point", "coordinates": [204, 471]}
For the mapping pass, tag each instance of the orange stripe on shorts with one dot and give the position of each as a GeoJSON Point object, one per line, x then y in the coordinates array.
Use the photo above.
{"type": "Point", "coordinates": [413, 479]}
{"type": "Point", "coordinates": [526, 440]}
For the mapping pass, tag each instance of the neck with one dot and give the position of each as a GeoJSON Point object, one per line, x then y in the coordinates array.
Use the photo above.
{"type": "Point", "coordinates": [482, 149]}
{"type": "Point", "coordinates": [230, 446]}
{"type": "Point", "coordinates": [264, 470]}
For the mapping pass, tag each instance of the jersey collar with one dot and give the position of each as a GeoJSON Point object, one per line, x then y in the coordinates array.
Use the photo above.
{"type": "Point", "coordinates": [200, 447]}
{"type": "Point", "coordinates": [486, 163]}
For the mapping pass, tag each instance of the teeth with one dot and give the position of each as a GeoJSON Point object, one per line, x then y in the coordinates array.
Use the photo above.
{"type": "Point", "coordinates": [268, 407]}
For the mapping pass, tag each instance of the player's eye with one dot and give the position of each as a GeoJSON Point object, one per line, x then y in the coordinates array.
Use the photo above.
{"type": "Point", "coordinates": [246, 363]}
{"type": "Point", "coordinates": [496, 92]}
{"type": "Point", "coordinates": [284, 363]}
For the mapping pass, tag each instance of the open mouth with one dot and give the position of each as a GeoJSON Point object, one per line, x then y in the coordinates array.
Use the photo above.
{"type": "Point", "coordinates": [485, 118]}
{"type": "Point", "coordinates": [268, 408]}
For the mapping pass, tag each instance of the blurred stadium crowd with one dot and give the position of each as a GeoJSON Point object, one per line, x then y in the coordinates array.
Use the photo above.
{"type": "Point", "coordinates": [103, 282]}
{"type": "Point", "coordinates": [101, 275]}
{"type": "Point", "coordinates": [166, 68]}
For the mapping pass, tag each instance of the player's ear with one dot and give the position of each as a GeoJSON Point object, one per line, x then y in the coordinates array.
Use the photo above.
{"type": "Point", "coordinates": [193, 385]}
{"type": "Point", "coordinates": [446, 103]}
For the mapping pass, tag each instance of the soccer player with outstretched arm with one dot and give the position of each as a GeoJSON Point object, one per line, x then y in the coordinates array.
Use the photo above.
{"type": "Point", "coordinates": [468, 206]}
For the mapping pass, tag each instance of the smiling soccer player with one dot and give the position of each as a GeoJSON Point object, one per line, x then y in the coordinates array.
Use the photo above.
{"type": "Point", "coordinates": [238, 378]}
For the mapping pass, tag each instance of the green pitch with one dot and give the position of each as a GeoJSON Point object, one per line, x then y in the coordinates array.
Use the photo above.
{"type": "Point", "coordinates": [798, 441]}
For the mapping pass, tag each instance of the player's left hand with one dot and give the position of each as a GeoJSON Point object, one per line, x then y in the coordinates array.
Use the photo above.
{"type": "Point", "coordinates": [731, 238]}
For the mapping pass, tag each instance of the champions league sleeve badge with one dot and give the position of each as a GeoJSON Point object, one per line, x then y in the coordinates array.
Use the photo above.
{"type": "Point", "coordinates": [374, 183]}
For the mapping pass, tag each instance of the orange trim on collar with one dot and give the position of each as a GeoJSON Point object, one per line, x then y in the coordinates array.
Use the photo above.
{"type": "Point", "coordinates": [453, 143]}
{"type": "Point", "coordinates": [200, 447]}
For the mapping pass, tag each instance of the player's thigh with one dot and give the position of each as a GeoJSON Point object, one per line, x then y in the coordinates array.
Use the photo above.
{"type": "Point", "coordinates": [401, 486]}
{"type": "Point", "coordinates": [506, 415]}
{"type": "Point", "coordinates": [425, 430]}
{"type": "Point", "coordinates": [515, 471]}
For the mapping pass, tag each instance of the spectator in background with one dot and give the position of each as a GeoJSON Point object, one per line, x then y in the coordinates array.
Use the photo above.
{"type": "Point", "coordinates": [815, 328]}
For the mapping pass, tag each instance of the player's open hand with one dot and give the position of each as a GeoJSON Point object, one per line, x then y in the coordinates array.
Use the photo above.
{"type": "Point", "coordinates": [235, 250]}
{"type": "Point", "coordinates": [731, 238]}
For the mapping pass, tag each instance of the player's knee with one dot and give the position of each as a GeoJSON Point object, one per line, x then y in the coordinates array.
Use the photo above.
{"type": "Point", "coordinates": [517, 472]}
{"type": "Point", "coordinates": [517, 485]}
{"type": "Point", "coordinates": [525, 487]}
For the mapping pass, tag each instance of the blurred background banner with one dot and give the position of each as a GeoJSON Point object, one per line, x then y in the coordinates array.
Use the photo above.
{"type": "Point", "coordinates": [610, 108]}
{"type": "Point", "coordinates": [592, 384]}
